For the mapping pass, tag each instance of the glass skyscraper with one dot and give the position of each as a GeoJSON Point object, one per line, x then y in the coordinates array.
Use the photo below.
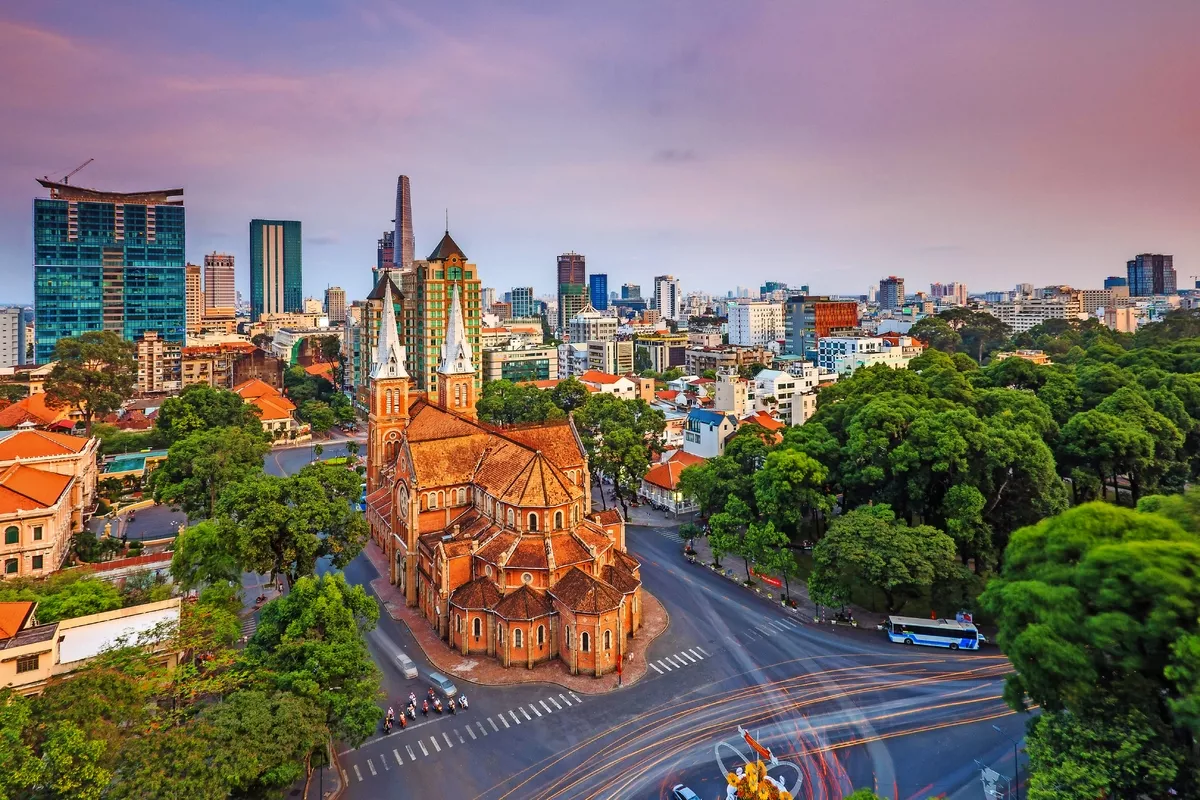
{"type": "Point", "coordinates": [276, 282]}
{"type": "Point", "coordinates": [523, 304]}
{"type": "Point", "coordinates": [107, 261]}
{"type": "Point", "coordinates": [598, 289]}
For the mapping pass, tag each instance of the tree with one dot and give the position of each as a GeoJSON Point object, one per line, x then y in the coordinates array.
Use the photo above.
{"type": "Point", "coordinates": [570, 394]}
{"type": "Point", "coordinates": [790, 487]}
{"type": "Point", "coordinates": [283, 525]}
{"type": "Point", "coordinates": [727, 532]}
{"type": "Point", "coordinates": [310, 643]}
{"type": "Point", "coordinates": [262, 341]}
{"type": "Point", "coordinates": [94, 372]}
{"type": "Point", "coordinates": [318, 415]}
{"type": "Point", "coordinates": [505, 403]}
{"type": "Point", "coordinates": [620, 436]}
{"type": "Point", "coordinates": [78, 599]}
{"type": "Point", "coordinates": [936, 333]}
{"type": "Point", "coordinates": [205, 555]}
{"type": "Point", "coordinates": [201, 407]}
{"type": "Point", "coordinates": [13, 392]}
{"type": "Point", "coordinates": [870, 548]}
{"type": "Point", "coordinates": [200, 466]}
{"type": "Point", "coordinates": [770, 549]}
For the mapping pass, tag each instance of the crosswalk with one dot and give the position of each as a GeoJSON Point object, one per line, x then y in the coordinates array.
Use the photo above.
{"type": "Point", "coordinates": [249, 626]}
{"type": "Point", "coordinates": [684, 658]}
{"type": "Point", "coordinates": [774, 627]}
{"type": "Point", "coordinates": [401, 748]}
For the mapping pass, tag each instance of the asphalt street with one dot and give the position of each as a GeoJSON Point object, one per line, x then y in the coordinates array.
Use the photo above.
{"type": "Point", "coordinates": [155, 522]}
{"type": "Point", "coordinates": [840, 709]}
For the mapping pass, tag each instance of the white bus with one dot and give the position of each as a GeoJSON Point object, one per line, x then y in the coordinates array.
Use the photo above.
{"type": "Point", "coordinates": [933, 632]}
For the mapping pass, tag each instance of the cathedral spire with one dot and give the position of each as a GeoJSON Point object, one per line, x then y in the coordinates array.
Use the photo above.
{"type": "Point", "coordinates": [388, 358]}
{"type": "Point", "coordinates": [456, 350]}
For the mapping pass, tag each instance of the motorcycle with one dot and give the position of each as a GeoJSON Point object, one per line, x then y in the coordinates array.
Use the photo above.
{"type": "Point", "coordinates": [463, 702]}
{"type": "Point", "coordinates": [387, 725]}
{"type": "Point", "coordinates": [453, 707]}
{"type": "Point", "coordinates": [424, 709]}
{"type": "Point", "coordinates": [412, 711]}
{"type": "Point", "coordinates": [437, 706]}
{"type": "Point", "coordinates": [403, 722]}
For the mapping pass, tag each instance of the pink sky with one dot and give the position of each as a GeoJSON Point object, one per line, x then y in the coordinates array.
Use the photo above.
{"type": "Point", "coordinates": [726, 143]}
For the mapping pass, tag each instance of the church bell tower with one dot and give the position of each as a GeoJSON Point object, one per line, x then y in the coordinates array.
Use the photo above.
{"type": "Point", "coordinates": [388, 389]}
{"type": "Point", "coordinates": [456, 373]}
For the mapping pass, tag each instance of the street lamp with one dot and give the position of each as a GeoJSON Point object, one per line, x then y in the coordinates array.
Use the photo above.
{"type": "Point", "coordinates": [1016, 761]}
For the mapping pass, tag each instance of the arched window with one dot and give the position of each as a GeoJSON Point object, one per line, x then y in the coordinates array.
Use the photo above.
{"type": "Point", "coordinates": [462, 496]}
{"type": "Point", "coordinates": [584, 643]}
{"type": "Point", "coordinates": [441, 499]}
{"type": "Point", "coordinates": [457, 394]}
{"type": "Point", "coordinates": [533, 522]}
{"type": "Point", "coordinates": [568, 637]}
{"type": "Point", "coordinates": [12, 535]}
{"type": "Point", "coordinates": [608, 640]}
{"type": "Point", "coordinates": [558, 520]}
{"type": "Point", "coordinates": [541, 635]}
{"type": "Point", "coordinates": [10, 567]}
{"type": "Point", "coordinates": [511, 518]}
{"type": "Point", "coordinates": [432, 501]}
{"type": "Point", "coordinates": [477, 627]}
{"type": "Point", "coordinates": [516, 637]}
{"type": "Point", "coordinates": [458, 623]}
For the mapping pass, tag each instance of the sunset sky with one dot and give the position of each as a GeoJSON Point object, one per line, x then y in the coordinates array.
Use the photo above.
{"type": "Point", "coordinates": [828, 143]}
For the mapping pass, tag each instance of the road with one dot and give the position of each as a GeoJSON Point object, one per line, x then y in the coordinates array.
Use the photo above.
{"type": "Point", "coordinates": [841, 709]}
{"type": "Point", "coordinates": [155, 522]}
{"type": "Point", "coordinates": [288, 460]}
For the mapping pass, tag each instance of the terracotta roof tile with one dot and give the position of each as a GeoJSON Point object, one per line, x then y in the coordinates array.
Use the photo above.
{"type": "Point", "coordinates": [38, 444]}
{"type": "Point", "coordinates": [555, 439]}
{"type": "Point", "coordinates": [686, 458]}
{"type": "Point", "coordinates": [568, 550]}
{"type": "Point", "coordinates": [538, 484]}
{"type": "Point", "coordinates": [431, 422]}
{"type": "Point", "coordinates": [620, 579]}
{"type": "Point", "coordinates": [24, 488]}
{"type": "Point", "coordinates": [665, 476]}
{"type": "Point", "coordinates": [524, 603]}
{"type": "Point", "coordinates": [442, 462]}
{"type": "Point", "coordinates": [609, 516]}
{"type": "Point", "coordinates": [255, 388]}
{"type": "Point", "coordinates": [35, 408]}
{"type": "Point", "coordinates": [476, 594]}
{"type": "Point", "coordinates": [496, 546]}
{"type": "Point", "coordinates": [530, 554]}
{"type": "Point", "coordinates": [595, 376]}
{"type": "Point", "coordinates": [581, 592]}
{"type": "Point", "coordinates": [14, 616]}
{"type": "Point", "coordinates": [627, 561]}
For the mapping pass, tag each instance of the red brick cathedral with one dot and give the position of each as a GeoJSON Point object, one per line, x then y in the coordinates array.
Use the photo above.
{"type": "Point", "coordinates": [489, 531]}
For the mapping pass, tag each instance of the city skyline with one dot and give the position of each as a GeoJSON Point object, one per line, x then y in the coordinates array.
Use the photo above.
{"type": "Point", "coordinates": [922, 170]}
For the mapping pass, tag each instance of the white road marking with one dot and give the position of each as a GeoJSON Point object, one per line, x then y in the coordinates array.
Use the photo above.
{"type": "Point", "coordinates": [492, 722]}
{"type": "Point", "coordinates": [459, 735]}
{"type": "Point", "coordinates": [701, 649]}
{"type": "Point", "coordinates": [766, 630]}
{"type": "Point", "coordinates": [655, 668]}
{"type": "Point", "coordinates": [577, 700]}
{"type": "Point", "coordinates": [565, 700]}
{"type": "Point", "coordinates": [371, 764]}
{"type": "Point", "coordinates": [514, 716]}
{"type": "Point", "coordinates": [482, 729]}
{"type": "Point", "coordinates": [697, 655]}
{"type": "Point", "coordinates": [436, 746]}
{"type": "Point", "coordinates": [525, 714]}
{"type": "Point", "coordinates": [505, 721]}
{"type": "Point", "coordinates": [531, 705]}
{"type": "Point", "coordinates": [543, 702]}
{"type": "Point", "coordinates": [383, 761]}
{"type": "Point", "coordinates": [411, 755]}
{"type": "Point", "coordinates": [556, 704]}
{"type": "Point", "coordinates": [471, 731]}
{"type": "Point", "coordinates": [447, 737]}
{"type": "Point", "coordinates": [663, 664]}
{"type": "Point", "coordinates": [672, 660]}
{"type": "Point", "coordinates": [399, 760]}
{"type": "Point", "coordinates": [688, 656]}
{"type": "Point", "coordinates": [359, 774]}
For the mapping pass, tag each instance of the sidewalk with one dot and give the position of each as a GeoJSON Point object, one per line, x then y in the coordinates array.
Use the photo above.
{"type": "Point", "coordinates": [484, 670]}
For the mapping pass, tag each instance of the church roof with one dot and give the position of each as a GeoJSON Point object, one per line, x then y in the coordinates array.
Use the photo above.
{"type": "Point", "coordinates": [524, 603]}
{"type": "Point", "coordinates": [376, 292]}
{"type": "Point", "coordinates": [619, 578]}
{"type": "Point", "coordinates": [430, 421]}
{"type": "Point", "coordinates": [476, 594]}
{"type": "Point", "coordinates": [456, 350]}
{"type": "Point", "coordinates": [539, 483]}
{"type": "Point", "coordinates": [446, 248]}
{"type": "Point", "coordinates": [555, 439]}
{"type": "Point", "coordinates": [582, 593]}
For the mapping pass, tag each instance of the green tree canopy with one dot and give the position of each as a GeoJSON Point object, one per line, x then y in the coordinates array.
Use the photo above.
{"type": "Point", "coordinates": [95, 371]}
{"type": "Point", "coordinates": [200, 407]}
{"type": "Point", "coordinates": [201, 465]}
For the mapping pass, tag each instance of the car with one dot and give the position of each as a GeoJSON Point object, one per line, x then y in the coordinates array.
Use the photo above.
{"type": "Point", "coordinates": [443, 684]}
{"type": "Point", "coordinates": [681, 792]}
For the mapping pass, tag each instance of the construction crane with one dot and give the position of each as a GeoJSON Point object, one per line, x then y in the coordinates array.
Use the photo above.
{"type": "Point", "coordinates": [67, 178]}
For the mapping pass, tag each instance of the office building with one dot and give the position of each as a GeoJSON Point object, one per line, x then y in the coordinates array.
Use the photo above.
{"type": "Point", "coordinates": [523, 304]}
{"type": "Point", "coordinates": [598, 291]}
{"type": "Point", "coordinates": [590, 325]}
{"type": "Point", "coordinates": [158, 364]}
{"type": "Point", "coordinates": [891, 292]}
{"type": "Point", "coordinates": [194, 297]}
{"type": "Point", "coordinates": [754, 324]}
{"type": "Point", "coordinates": [524, 364]}
{"type": "Point", "coordinates": [12, 337]}
{"type": "Point", "coordinates": [698, 360]}
{"type": "Point", "coordinates": [668, 298]}
{"type": "Point", "coordinates": [613, 357]}
{"type": "Point", "coordinates": [487, 296]}
{"type": "Point", "coordinates": [1022, 315]}
{"type": "Point", "coordinates": [276, 282]}
{"type": "Point", "coordinates": [314, 306]}
{"type": "Point", "coordinates": [1115, 281]}
{"type": "Point", "coordinates": [405, 243]}
{"type": "Point", "coordinates": [953, 293]}
{"type": "Point", "coordinates": [385, 255]}
{"type": "Point", "coordinates": [220, 289]}
{"type": "Point", "coordinates": [631, 291]}
{"type": "Point", "coordinates": [1151, 274]}
{"type": "Point", "coordinates": [845, 354]}
{"type": "Point", "coordinates": [572, 288]}
{"type": "Point", "coordinates": [335, 305]}
{"type": "Point", "coordinates": [107, 261]}
{"type": "Point", "coordinates": [660, 352]}
{"type": "Point", "coordinates": [807, 318]}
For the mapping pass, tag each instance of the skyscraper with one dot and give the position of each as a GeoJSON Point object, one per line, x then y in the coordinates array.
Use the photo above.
{"type": "Point", "coordinates": [668, 298]}
{"type": "Point", "coordinates": [631, 291]}
{"type": "Point", "coordinates": [1115, 281]}
{"type": "Point", "coordinates": [194, 297]}
{"type": "Point", "coordinates": [403, 241]}
{"type": "Point", "coordinates": [107, 261]}
{"type": "Point", "coordinates": [12, 336]}
{"type": "Point", "coordinates": [572, 287]}
{"type": "Point", "coordinates": [598, 289]}
{"type": "Point", "coordinates": [335, 304]}
{"type": "Point", "coordinates": [523, 304]}
{"type": "Point", "coordinates": [219, 285]}
{"type": "Point", "coordinates": [891, 292]}
{"type": "Point", "coordinates": [276, 282]}
{"type": "Point", "coordinates": [385, 255]}
{"type": "Point", "coordinates": [1151, 274]}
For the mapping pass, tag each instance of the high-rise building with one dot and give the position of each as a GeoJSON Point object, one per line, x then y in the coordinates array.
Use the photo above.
{"type": "Point", "coordinates": [107, 261]}
{"type": "Point", "coordinates": [953, 292]}
{"type": "Point", "coordinates": [335, 304]}
{"type": "Point", "coordinates": [598, 291]}
{"type": "Point", "coordinates": [1151, 274]}
{"type": "Point", "coordinates": [219, 285]}
{"type": "Point", "coordinates": [276, 282]}
{"type": "Point", "coordinates": [891, 292]}
{"type": "Point", "coordinates": [754, 323]}
{"type": "Point", "coordinates": [668, 298]}
{"type": "Point", "coordinates": [572, 288]}
{"type": "Point", "coordinates": [194, 298]}
{"type": "Point", "coordinates": [405, 244]}
{"type": "Point", "coordinates": [631, 291]}
{"type": "Point", "coordinates": [1114, 281]}
{"type": "Point", "coordinates": [158, 363]}
{"type": "Point", "coordinates": [487, 296]}
{"type": "Point", "coordinates": [1023, 290]}
{"type": "Point", "coordinates": [523, 304]}
{"type": "Point", "coordinates": [427, 289]}
{"type": "Point", "coordinates": [385, 255]}
{"type": "Point", "coordinates": [806, 319]}
{"type": "Point", "coordinates": [12, 337]}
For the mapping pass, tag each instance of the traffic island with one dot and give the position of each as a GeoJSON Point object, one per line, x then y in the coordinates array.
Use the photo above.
{"type": "Point", "coordinates": [480, 669]}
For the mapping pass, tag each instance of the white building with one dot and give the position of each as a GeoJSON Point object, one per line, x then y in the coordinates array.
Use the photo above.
{"type": "Point", "coordinates": [705, 432]}
{"type": "Point", "coordinates": [755, 324]}
{"type": "Point", "coordinates": [12, 337]}
{"type": "Point", "coordinates": [844, 354]}
{"type": "Point", "coordinates": [1025, 314]}
{"type": "Point", "coordinates": [589, 325]}
{"type": "Point", "coordinates": [734, 394]}
{"type": "Point", "coordinates": [603, 382]}
{"type": "Point", "coordinates": [610, 356]}
{"type": "Point", "coordinates": [572, 359]}
{"type": "Point", "coordinates": [668, 298]}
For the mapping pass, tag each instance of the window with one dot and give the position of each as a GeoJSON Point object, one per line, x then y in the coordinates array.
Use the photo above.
{"type": "Point", "coordinates": [511, 518]}
{"type": "Point", "coordinates": [533, 522]}
{"type": "Point", "coordinates": [37, 533]}
{"type": "Point", "coordinates": [608, 640]}
{"type": "Point", "coordinates": [584, 643]}
{"type": "Point", "coordinates": [28, 663]}
{"type": "Point", "coordinates": [462, 496]}
{"type": "Point", "coordinates": [517, 637]}
{"type": "Point", "coordinates": [558, 520]}
{"type": "Point", "coordinates": [12, 535]}
{"type": "Point", "coordinates": [432, 502]}
{"type": "Point", "coordinates": [541, 635]}
{"type": "Point", "coordinates": [37, 562]}
{"type": "Point", "coordinates": [526, 577]}
{"type": "Point", "coordinates": [457, 623]}
{"type": "Point", "coordinates": [568, 637]}
{"type": "Point", "coordinates": [477, 627]}
{"type": "Point", "coordinates": [10, 567]}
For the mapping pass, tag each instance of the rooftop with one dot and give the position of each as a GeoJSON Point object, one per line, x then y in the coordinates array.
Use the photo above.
{"type": "Point", "coordinates": [24, 488]}
{"type": "Point", "coordinates": [38, 444]}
